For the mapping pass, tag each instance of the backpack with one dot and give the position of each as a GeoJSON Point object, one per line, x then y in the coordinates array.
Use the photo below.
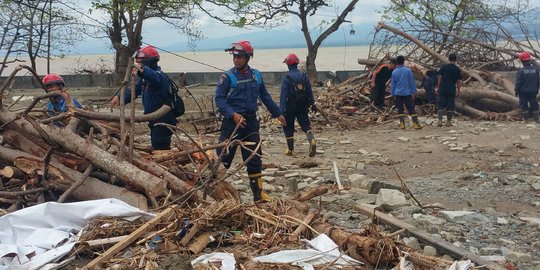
{"type": "Point", "coordinates": [174, 99]}
{"type": "Point", "coordinates": [299, 95]}
{"type": "Point", "coordinates": [234, 80]}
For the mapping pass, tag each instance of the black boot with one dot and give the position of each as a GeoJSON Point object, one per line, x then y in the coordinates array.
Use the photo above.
{"type": "Point", "coordinates": [535, 116]}
{"type": "Point", "coordinates": [312, 143]}
{"type": "Point", "coordinates": [256, 185]}
{"type": "Point", "coordinates": [290, 147]}
{"type": "Point", "coordinates": [449, 116]}
{"type": "Point", "coordinates": [525, 115]}
{"type": "Point", "coordinates": [440, 115]}
{"type": "Point", "coordinates": [416, 123]}
{"type": "Point", "coordinates": [402, 121]}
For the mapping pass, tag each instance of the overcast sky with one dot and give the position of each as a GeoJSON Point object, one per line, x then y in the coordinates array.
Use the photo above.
{"type": "Point", "coordinates": [155, 30]}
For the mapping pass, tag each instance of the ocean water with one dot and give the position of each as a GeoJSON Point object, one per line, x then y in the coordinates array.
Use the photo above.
{"type": "Point", "coordinates": [328, 59]}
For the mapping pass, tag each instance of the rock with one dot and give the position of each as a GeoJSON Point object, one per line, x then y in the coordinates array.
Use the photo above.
{"type": "Point", "coordinates": [489, 251]}
{"type": "Point", "coordinates": [390, 199]}
{"type": "Point", "coordinates": [428, 219]}
{"type": "Point", "coordinates": [494, 258]}
{"type": "Point", "coordinates": [356, 180]}
{"type": "Point", "coordinates": [363, 152]}
{"type": "Point", "coordinates": [302, 186]}
{"type": "Point", "coordinates": [374, 186]}
{"type": "Point", "coordinates": [365, 198]}
{"type": "Point", "coordinates": [519, 256]}
{"type": "Point", "coordinates": [536, 186]}
{"type": "Point", "coordinates": [524, 137]}
{"type": "Point", "coordinates": [360, 166]}
{"type": "Point", "coordinates": [328, 199]}
{"type": "Point", "coordinates": [430, 251]}
{"type": "Point", "coordinates": [343, 157]}
{"type": "Point", "coordinates": [403, 139]}
{"type": "Point", "coordinates": [456, 148]}
{"type": "Point", "coordinates": [345, 142]}
{"type": "Point", "coordinates": [463, 217]}
{"type": "Point", "coordinates": [502, 221]}
{"type": "Point", "coordinates": [412, 242]}
{"type": "Point", "coordinates": [531, 220]}
{"type": "Point", "coordinates": [291, 175]}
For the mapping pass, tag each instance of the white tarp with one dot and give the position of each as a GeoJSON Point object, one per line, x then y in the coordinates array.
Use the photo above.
{"type": "Point", "coordinates": [323, 250]}
{"type": "Point", "coordinates": [37, 235]}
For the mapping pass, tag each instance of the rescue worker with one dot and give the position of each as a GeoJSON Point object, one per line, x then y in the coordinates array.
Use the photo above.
{"type": "Point", "coordinates": [296, 99]}
{"type": "Point", "coordinates": [403, 88]}
{"type": "Point", "coordinates": [449, 87]}
{"type": "Point", "coordinates": [527, 84]}
{"type": "Point", "coordinates": [378, 83]}
{"type": "Point", "coordinates": [237, 92]}
{"type": "Point", "coordinates": [53, 82]}
{"type": "Point", "coordinates": [428, 83]}
{"type": "Point", "coordinates": [153, 85]}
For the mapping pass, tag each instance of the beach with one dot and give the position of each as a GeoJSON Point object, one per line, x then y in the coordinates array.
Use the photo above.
{"type": "Point", "coordinates": [328, 59]}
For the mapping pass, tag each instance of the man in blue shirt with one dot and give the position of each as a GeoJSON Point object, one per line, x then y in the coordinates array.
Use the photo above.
{"type": "Point", "coordinates": [295, 100]}
{"type": "Point", "coordinates": [53, 82]}
{"type": "Point", "coordinates": [236, 97]}
{"type": "Point", "coordinates": [153, 85]}
{"type": "Point", "coordinates": [527, 84]}
{"type": "Point", "coordinates": [403, 88]}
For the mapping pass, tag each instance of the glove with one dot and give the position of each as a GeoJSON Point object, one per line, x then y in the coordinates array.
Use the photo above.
{"type": "Point", "coordinates": [314, 108]}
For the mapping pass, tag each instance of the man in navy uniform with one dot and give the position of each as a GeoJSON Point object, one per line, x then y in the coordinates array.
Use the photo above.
{"type": "Point", "coordinates": [236, 97]}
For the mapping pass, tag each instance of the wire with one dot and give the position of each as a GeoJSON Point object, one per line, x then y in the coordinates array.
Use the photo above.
{"type": "Point", "coordinates": [186, 58]}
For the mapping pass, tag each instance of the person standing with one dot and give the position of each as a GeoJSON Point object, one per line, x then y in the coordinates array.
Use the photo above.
{"type": "Point", "coordinates": [153, 85]}
{"type": "Point", "coordinates": [527, 84]}
{"type": "Point", "coordinates": [403, 89]}
{"type": "Point", "coordinates": [449, 87]}
{"type": "Point", "coordinates": [428, 83]}
{"type": "Point", "coordinates": [296, 99]}
{"type": "Point", "coordinates": [378, 83]}
{"type": "Point", "coordinates": [54, 82]}
{"type": "Point", "coordinates": [237, 92]}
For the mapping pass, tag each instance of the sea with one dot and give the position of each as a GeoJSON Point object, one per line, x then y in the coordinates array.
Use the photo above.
{"type": "Point", "coordinates": [328, 59]}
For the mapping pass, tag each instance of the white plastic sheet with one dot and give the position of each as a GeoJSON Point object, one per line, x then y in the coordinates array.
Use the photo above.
{"type": "Point", "coordinates": [323, 250]}
{"type": "Point", "coordinates": [37, 235]}
{"type": "Point", "coordinates": [226, 259]}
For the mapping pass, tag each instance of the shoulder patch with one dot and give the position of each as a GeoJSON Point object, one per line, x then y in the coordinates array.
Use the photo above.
{"type": "Point", "coordinates": [221, 78]}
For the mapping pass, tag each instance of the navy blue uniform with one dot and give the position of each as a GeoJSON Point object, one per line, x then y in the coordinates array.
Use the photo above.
{"type": "Point", "coordinates": [527, 84]}
{"type": "Point", "coordinates": [243, 100]}
{"type": "Point", "coordinates": [449, 75]}
{"type": "Point", "coordinates": [380, 77]}
{"type": "Point", "coordinates": [58, 104]}
{"type": "Point", "coordinates": [153, 86]}
{"type": "Point", "coordinates": [293, 105]}
{"type": "Point", "coordinates": [429, 82]}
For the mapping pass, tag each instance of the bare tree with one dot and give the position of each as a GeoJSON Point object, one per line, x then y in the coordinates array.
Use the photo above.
{"type": "Point", "coordinates": [270, 12]}
{"type": "Point", "coordinates": [125, 22]}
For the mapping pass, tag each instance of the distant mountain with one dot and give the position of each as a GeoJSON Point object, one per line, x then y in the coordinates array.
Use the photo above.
{"type": "Point", "coordinates": [276, 39]}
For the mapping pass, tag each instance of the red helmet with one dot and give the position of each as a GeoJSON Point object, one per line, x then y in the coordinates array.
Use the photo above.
{"type": "Point", "coordinates": [147, 53]}
{"type": "Point", "coordinates": [241, 47]}
{"type": "Point", "coordinates": [53, 78]}
{"type": "Point", "coordinates": [291, 59]}
{"type": "Point", "coordinates": [525, 56]}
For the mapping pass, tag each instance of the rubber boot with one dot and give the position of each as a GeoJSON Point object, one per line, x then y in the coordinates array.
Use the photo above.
{"type": "Point", "coordinates": [416, 123]}
{"type": "Point", "coordinates": [536, 116]}
{"type": "Point", "coordinates": [525, 115]}
{"type": "Point", "coordinates": [402, 121]}
{"type": "Point", "coordinates": [256, 185]}
{"type": "Point", "coordinates": [290, 147]}
{"type": "Point", "coordinates": [312, 143]}
{"type": "Point", "coordinates": [449, 116]}
{"type": "Point", "coordinates": [440, 115]}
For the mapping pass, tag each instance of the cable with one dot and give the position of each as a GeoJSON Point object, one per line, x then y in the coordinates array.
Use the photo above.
{"type": "Point", "coordinates": [186, 58]}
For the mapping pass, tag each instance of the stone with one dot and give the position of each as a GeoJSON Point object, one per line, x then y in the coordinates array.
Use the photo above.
{"type": "Point", "coordinates": [365, 198]}
{"type": "Point", "coordinates": [428, 219]}
{"type": "Point", "coordinates": [291, 175]}
{"type": "Point", "coordinates": [502, 221]}
{"type": "Point", "coordinates": [390, 199]}
{"type": "Point", "coordinates": [302, 185]}
{"type": "Point", "coordinates": [374, 186]}
{"type": "Point", "coordinates": [345, 142]}
{"type": "Point", "coordinates": [343, 157]}
{"type": "Point", "coordinates": [518, 256]}
{"type": "Point", "coordinates": [536, 186]}
{"type": "Point", "coordinates": [241, 187]}
{"type": "Point", "coordinates": [360, 166]}
{"type": "Point", "coordinates": [524, 137]}
{"type": "Point", "coordinates": [430, 251]}
{"type": "Point", "coordinates": [375, 154]}
{"type": "Point", "coordinates": [489, 251]}
{"type": "Point", "coordinates": [494, 258]}
{"type": "Point", "coordinates": [531, 220]}
{"type": "Point", "coordinates": [403, 139]}
{"type": "Point", "coordinates": [456, 148]}
{"type": "Point", "coordinates": [412, 242]}
{"type": "Point", "coordinates": [363, 152]}
{"type": "Point", "coordinates": [463, 217]}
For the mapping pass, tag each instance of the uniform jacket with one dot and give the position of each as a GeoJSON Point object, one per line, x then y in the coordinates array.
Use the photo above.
{"type": "Point", "coordinates": [58, 105]}
{"type": "Point", "coordinates": [153, 86]}
{"type": "Point", "coordinates": [287, 89]}
{"type": "Point", "coordinates": [403, 83]}
{"type": "Point", "coordinates": [243, 99]}
{"type": "Point", "coordinates": [527, 80]}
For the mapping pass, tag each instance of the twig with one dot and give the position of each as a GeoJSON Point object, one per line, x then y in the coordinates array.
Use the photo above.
{"type": "Point", "coordinates": [77, 184]}
{"type": "Point", "coordinates": [23, 192]}
{"type": "Point", "coordinates": [405, 188]}
{"type": "Point", "coordinates": [46, 161]}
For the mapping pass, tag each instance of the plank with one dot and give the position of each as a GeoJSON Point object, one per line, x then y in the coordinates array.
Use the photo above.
{"type": "Point", "coordinates": [422, 235]}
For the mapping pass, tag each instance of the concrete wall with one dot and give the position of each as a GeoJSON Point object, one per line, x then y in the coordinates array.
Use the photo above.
{"type": "Point", "coordinates": [107, 80]}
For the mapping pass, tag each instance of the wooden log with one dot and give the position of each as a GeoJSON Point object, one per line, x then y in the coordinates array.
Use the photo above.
{"type": "Point", "coordinates": [200, 242]}
{"type": "Point", "coordinates": [454, 251]}
{"type": "Point", "coordinates": [12, 172]}
{"type": "Point", "coordinates": [141, 180]}
{"type": "Point", "coordinates": [302, 227]}
{"type": "Point", "coordinates": [114, 117]}
{"type": "Point", "coordinates": [96, 263]}
{"type": "Point", "coordinates": [91, 189]}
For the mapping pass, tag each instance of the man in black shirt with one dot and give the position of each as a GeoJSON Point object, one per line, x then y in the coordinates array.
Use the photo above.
{"type": "Point", "coordinates": [378, 83]}
{"type": "Point", "coordinates": [449, 86]}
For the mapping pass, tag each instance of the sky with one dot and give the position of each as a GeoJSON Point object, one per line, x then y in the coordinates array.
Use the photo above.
{"type": "Point", "coordinates": [158, 32]}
